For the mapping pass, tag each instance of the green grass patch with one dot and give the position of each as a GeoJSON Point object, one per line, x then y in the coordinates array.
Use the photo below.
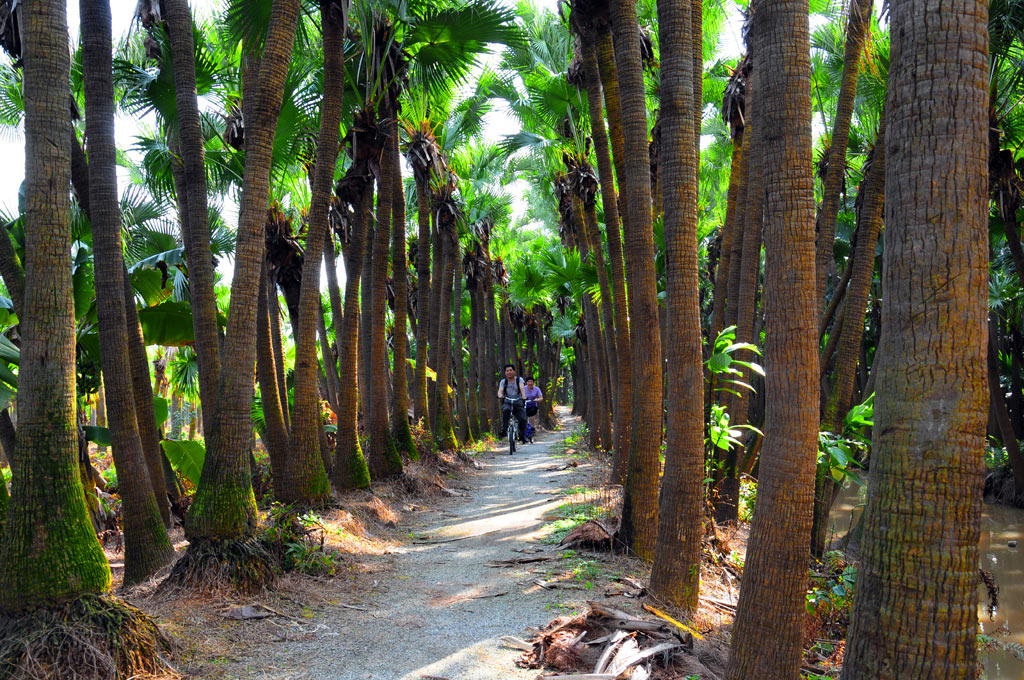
{"type": "Point", "coordinates": [567, 517]}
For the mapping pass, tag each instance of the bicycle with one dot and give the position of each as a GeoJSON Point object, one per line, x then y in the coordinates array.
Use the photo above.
{"type": "Point", "coordinates": [513, 425]}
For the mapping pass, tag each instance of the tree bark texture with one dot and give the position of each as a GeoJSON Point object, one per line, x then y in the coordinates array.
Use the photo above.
{"type": "Point", "coordinates": [224, 506]}
{"type": "Point", "coordinates": [768, 630]}
{"type": "Point", "coordinates": [640, 504]}
{"type": "Point", "coordinates": [675, 574]}
{"type": "Point", "coordinates": [915, 611]}
{"type": "Point", "coordinates": [48, 548]}
{"type": "Point", "coordinates": [147, 547]}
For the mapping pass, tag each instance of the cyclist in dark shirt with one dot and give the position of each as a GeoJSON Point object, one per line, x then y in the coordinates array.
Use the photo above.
{"type": "Point", "coordinates": [513, 388]}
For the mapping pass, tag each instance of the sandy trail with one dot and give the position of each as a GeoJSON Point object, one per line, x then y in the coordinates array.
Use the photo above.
{"type": "Point", "coordinates": [440, 613]}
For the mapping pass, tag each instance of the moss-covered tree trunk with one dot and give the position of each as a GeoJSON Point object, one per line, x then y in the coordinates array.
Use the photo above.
{"type": "Point", "coordinates": [147, 547]}
{"type": "Point", "coordinates": [423, 301]}
{"type": "Point", "coordinates": [224, 506]}
{"type": "Point", "coordinates": [350, 470]}
{"type": "Point", "coordinates": [400, 275]}
{"type": "Point", "coordinates": [48, 548]}
{"type": "Point", "coordinates": [915, 613]}
{"type": "Point", "coordinates": [305, 480]}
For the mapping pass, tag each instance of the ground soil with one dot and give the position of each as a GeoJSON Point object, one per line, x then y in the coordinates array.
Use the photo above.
{"type": "Point", "coordinates": [414, 596]}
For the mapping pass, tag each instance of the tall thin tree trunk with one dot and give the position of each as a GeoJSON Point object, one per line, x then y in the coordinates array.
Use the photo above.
{"type": "Point", "coordinates": [766, 641]}
{"type": "Point", "coordinates": [640, 504]}
{"type": "Point", "coordinates": [381, 455]}
{"type": "Point", "coordinates": [350, 469]}
{"type": "Point", "coordinates": [195, 228]}
{"type": "Point", "coordinates": [147, 547]}
{"type": "Point", "coordinates": [857, 26]}
{"type": "Point", "coordinates": [305, 480]}
{"type": "Point", "coordinates": [851, 334]}
{"type": "Point", "coordinates": [224, 506]}
{"type": "Point", "coordinates": [915, 613]}
{"type": "Point", "coordinates": [424, 299]}
{"type": "Point", "coordinates": [675, 574]}
{"type": "Point", "coordinates": [48, 548]}
{"type": "Point", "coordinates": [277, 437]}
{"type": "Point", "coordinates": [443, 431]}
{"type": "Point", "coordinates": [399, 269]}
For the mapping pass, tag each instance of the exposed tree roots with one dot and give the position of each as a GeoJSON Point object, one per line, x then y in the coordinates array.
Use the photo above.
{"type": "Point", "coordinates": [244, 565]}
{"type": "Point", "coordinates": [93, 637]}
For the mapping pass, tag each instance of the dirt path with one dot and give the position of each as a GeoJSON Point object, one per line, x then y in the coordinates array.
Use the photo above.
{"type": "Point", "coordinates": [440, 613]}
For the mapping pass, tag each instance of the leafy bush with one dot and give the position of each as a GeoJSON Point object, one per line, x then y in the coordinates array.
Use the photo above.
{"type": "Point", "coordinates": [297, 540]}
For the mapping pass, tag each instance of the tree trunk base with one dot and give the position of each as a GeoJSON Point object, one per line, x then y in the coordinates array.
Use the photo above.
{"type": "Point", "coordinates": [93, 637]}
{"type": "Point", "coordinates": [243, 565]}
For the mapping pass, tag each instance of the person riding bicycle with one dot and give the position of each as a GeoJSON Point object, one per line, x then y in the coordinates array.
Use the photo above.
{"type": "Point", "coordinates": [511, 391]}
{"type": "Point", "coordinates": [533, 397]}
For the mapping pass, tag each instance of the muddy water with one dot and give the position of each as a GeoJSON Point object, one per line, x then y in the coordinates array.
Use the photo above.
{"type": "Point", "coordinates": [999, 525]}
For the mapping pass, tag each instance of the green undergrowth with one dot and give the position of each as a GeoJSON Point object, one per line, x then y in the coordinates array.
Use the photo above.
{"type": "Point", "coordinates": [567, 517]}
{"type": "Point", "coordinates": [297, 539]}
{"type": "Point", "coordinates": [574, 445]}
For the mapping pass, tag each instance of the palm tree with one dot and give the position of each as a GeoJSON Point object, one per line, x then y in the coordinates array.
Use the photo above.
{"type": "Point", "coordinates": [46, 490]}
{"type": "Point", "coordinates": [365, 144]}
{"type": "Point", "coordinates": [399, 266]}
{"type": "Point", "coordinates": [856, 36]}
{"type": "Point", "coordinates": [676, 570]}
{"type": "Point", "coordinates": [423, 155]}
{"type": "Point", "coordinates": [870, 202]}
{"type": "Point", "coordinates": [223, 513]}
{"type": "Point", "coordinates": [639, 508]}
{"type": "Point", "coordinates": [195, 213]}
{"type": "Point", "coordinates": [147, 547]}
{"type": "Point", "coordinates": [609, 201]}
{"type": "Point", "coordinates": [931, 397]}
{"type": "Point", "coordinates": [767, 637]}
{"type": "Point", "coordinates": [305, 480]}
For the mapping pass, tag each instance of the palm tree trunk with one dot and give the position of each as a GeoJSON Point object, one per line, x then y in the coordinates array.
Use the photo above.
{"type": "Point", "coordinates": [640, 505]}
{"type": "Point", "coordinates": [609, 201]}
{"type": "Point", "coordinates": [915, 611]}
{"type": "Point", "coordinates": [767, 638]}
{"type": "Point", "coordinates": [856, 36]}
{"type": "Point", "coordinates": [467, 428]}
{"type": "Point", "coordinates": [424, 300]}
{"type": "Point", "coordinates": [727, 503]}
{"type": "Point", "coordinates": [277, 439]}
{"type": "Point", "coordinates": [223, 506]}
{"type": "Point", "coordinates": [730, 228]}
{"type": "Point", "coordinates": [274, 313]}
{"type": "Point", "coordinates": [350, 470]}
{"type": "Point", "coordinates": [195, 226]}
{"type": "Point", "coordinates": [400, 275]}
{"type": "Point", "coordinates": [366, 386]}
{"type": "Point", "coordinates": [443, 431]}
{"type": "Point", "coordinates": [147, 547]}
{"type": "Point", "coordinates": [851, 332]}
{"type": "Point", "coordinates": [334, 295]}
{"type": "Point", "coordinates": [142, 390]}
{"type": "Point", "coordinates": [601, 427]}
{"type": "Point", "coordinates": [491, 337]}
{"type": "Point", "coordinates": [675, 574]}
{"type": "Point", "coordinates": [329, 376]}
{"type": "Point", "coordinates": [48, 548]}
{"type": "Point", "coordinates": [382, 456]}
{"type": "Point", "coordinates": [305, 480]}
